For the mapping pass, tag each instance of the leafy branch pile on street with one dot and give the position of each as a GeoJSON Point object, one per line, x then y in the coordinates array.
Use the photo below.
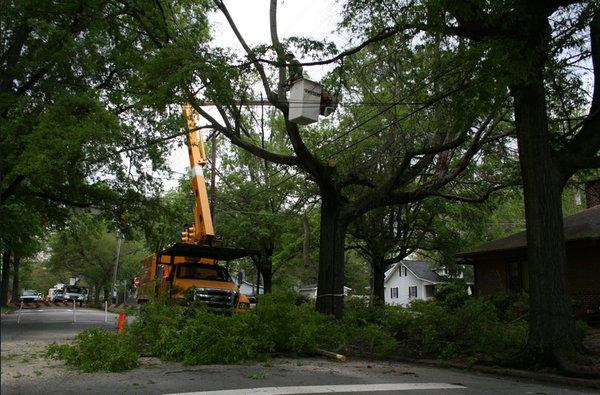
{"type": "Point", "coordinates": [96, 349]}
{"type": "Point", "coordinates": [449, 327]}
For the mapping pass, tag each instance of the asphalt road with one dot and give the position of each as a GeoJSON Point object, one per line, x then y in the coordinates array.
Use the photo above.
{"type": "Point", "coordinates": [51, 323]}
{"type": "Point", "coordinates": [26, 371]}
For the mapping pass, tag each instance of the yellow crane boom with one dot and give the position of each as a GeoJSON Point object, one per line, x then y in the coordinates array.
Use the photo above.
{"type": "Point", "coordinates": [202, 231]}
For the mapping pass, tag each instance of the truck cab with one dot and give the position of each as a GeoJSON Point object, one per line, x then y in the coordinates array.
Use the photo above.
{"type": "Point", "coordinates": [190, 273]}
{"type": "Point", "coordinates": [74, 293]}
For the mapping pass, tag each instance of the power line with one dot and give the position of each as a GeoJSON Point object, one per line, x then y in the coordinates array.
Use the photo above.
{"type": "Point", "coordinates": [389, 107]}
{"type": "Point", "coordinates": [420, 108]}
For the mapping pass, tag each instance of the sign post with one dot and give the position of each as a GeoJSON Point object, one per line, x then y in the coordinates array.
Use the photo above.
{"type": "Point", "coordinates": [20, 309]}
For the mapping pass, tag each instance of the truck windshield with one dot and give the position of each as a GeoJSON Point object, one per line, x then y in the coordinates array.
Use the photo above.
{"type": "Point", "coordinates": [202, 272]}
{"type": "Point", "coordinates": [74, 290]}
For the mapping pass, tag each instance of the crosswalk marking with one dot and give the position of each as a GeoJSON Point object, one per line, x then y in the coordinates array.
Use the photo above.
{"type": "Point", "coordinates": [318, 389]}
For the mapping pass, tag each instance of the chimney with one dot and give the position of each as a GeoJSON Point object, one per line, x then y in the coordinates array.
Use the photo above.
{"type": "Point", "coordinates": [592, 193]}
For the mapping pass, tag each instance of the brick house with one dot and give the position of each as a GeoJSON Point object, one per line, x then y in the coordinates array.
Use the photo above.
{"type": "Point", "coordinates": [501, 265]}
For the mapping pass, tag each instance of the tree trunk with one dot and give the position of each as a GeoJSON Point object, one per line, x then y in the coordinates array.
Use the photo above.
{"type": "Point", "coordinates": [330, 291]}
{"type": "Point", "coordinates": [266, 270]}
{"type": "Point", "coordinates": [15, 284]}
{"type": "Point", "coordinates": [306, 243]}
{"type": "Point", "coordinates": [551, 325]}
{"type": "Point", "coordinates": [5, 277]}
{"type": "Point", "coordinates": [267, 276]}
{"type": "Point", "coordinates": [257, 280]}
{"type": "Point", "coordinates": [378, 269]}
{"type": "Point", "coordinates": [96, 294]}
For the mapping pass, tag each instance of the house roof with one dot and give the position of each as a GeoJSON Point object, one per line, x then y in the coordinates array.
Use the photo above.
{"type": "Point", "coordinates": [584, 225]}
{"type": "Point", "coordinates": [421, 269]}
{"type": "Point", "coordinates": [248, 283]}
{"type": "Point", "coordinates": [312, 287]}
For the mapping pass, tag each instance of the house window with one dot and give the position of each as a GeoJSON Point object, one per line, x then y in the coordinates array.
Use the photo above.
{"type": "Point", "coordinates": [403, 271]}
{"type": "Point", "coordinates": [394, 293]}
{"type": "Point", "coordinates": [412, 292]}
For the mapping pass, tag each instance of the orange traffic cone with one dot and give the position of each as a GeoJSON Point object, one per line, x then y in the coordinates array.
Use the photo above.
{"type": "Point", "coordinates": [121, 322]}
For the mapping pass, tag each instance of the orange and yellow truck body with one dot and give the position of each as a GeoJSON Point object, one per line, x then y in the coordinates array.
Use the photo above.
{"type": "Point", "coordinates": [201, 281]}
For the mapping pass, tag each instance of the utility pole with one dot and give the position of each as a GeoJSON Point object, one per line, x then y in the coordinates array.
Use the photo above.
{"type": "Point", "coordinates": [114, 282]}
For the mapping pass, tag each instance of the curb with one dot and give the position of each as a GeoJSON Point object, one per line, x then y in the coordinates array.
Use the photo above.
{"type": "Point", "coordinates": [507, 372]}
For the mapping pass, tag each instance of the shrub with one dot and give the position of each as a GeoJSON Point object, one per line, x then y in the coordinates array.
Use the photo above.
{"type": "Point", "coordinates": [510, 305]}
{"type": "Point", "coordinates": [452, 295]}
{"type": "Point", "coordinates": [197, 336]}
{"type": "Point", "coordinates": [96, 349]}
{"type": "Point", "coordinates": [474, 328]}
{"type": "Point", "coordinates": [440, 328]}
{"type": "Point", "coordinates": [206, 338]}
{"type": "Point", "coordinates": [286, 327]}
{"type": "Point", "coordinates": [371, 330]}
{"type": "Point", "coordinates": [152, 318]}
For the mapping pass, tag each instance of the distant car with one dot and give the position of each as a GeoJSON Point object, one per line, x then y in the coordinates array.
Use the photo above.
{"type": "Point", "coordinates": [30, 296]}
{"type": "Point", "coordinates": [57, 295]}
{"type": "Point", "coordinates": [74, 293]}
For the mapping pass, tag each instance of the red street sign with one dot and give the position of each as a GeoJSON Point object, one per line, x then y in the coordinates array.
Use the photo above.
{"type": "Point", "coordinates": [136, 282]}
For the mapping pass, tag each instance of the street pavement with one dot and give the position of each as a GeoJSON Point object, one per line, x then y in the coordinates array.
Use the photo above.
{"type": "Point", "coordinates": [51, 323]}
{"type": "Point", "coordinates": [26, 371]}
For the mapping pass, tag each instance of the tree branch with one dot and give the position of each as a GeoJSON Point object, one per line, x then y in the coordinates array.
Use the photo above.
{"type": "Point", "coordinates": [237, 140]}
{"type": "Point", "coordinates": [58, 199]}
{"type": "Point", "coordinates": [278, 50]}
{"type": "Point", "coordinates": [356, 179]}
{"type": "Point", "coordinates": [253, 60]}
{"type": "Point", "coordinates": [12, 56]}
{"type": "Point", "coordinates": [582, 149]}
{"type": "Point", "coordinates": [471, 199]}
{"type": "Point", "coordinates": [10, 189]}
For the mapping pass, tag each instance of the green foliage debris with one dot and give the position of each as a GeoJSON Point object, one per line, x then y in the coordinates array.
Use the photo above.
{"type": "Point", "coordinates": [96, 349]}
{"type": "Point", "coordinates": [450, 327]}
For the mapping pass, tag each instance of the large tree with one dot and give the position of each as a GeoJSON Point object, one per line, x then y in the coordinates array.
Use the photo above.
{"type": "Point", "coordinates": [548, 155]}
{"type": "Point", "coordinates": [556, 136]}
{"type": "Point", "coordinates": [75, 128]}
{"type": "Point", "coordinates": [87, 248]}
{"type": "Point", "coordinates": [258, 208]}
{"type": "Point", "coordinates": [389, 234]}
{"type": "Point", "coordinates": [425, 158]}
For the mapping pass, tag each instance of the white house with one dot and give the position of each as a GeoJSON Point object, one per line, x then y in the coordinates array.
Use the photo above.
{"type": "Point", "coordinates": [248, 288]}
{"type": "Point", "coordinates": [408, 280]}
{"type": "Point", "coordinates": [310, 291]}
